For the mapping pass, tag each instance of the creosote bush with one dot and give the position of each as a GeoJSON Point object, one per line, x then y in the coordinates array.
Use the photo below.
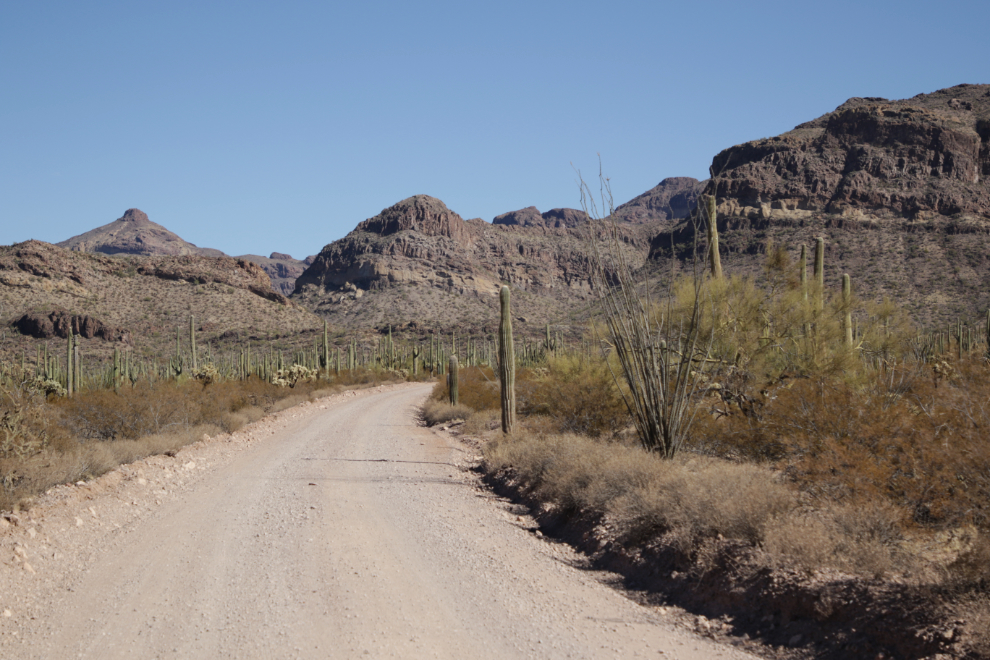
{"type": "Point", "coordinates": [578, 392]}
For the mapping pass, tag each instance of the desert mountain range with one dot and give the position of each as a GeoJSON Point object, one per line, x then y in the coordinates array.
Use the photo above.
{"type": "Point", "coordinates": [899, 190]}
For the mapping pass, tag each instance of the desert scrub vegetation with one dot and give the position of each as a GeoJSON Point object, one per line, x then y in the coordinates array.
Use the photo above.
{"type": "Point", "coordinates": [693, 500]}
{"type": "Point", "coordinates": [570, 393]}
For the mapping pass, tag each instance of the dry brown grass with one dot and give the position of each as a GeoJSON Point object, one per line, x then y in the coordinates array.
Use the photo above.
{"type": "Point", "coordinates": [693, 498]}
{"type": "Point", "coordinates": [441, 412]}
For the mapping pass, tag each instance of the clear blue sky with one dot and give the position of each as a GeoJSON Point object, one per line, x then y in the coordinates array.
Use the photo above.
{"type": "Point", "coordinates": [251, 127]}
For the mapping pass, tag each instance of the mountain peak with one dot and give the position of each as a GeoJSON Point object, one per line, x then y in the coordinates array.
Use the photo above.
{"type": "Point", "coordinates": [135, 217]}
{"type": "Point", "coordinates": [422, 213]}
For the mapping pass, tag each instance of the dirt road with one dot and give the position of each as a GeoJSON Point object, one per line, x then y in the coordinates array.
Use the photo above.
{"type": "Point", "coordinates": [338, 529]}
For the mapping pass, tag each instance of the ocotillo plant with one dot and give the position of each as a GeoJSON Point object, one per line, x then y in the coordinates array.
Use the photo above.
{"type": "Point", "coordinates": [452, 380]}
{"type": "Point", "coordinates": [506, 363]}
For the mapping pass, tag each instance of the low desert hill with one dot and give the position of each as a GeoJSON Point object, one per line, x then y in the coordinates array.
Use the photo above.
{"type": "Point", "coordinates": [138, 302]}
{"type": "Point", "coordinates": [899, 189]}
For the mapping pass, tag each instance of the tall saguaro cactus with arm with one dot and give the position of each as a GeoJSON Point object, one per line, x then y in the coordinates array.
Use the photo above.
{"type": "Point", "coordinates": [506, 363]}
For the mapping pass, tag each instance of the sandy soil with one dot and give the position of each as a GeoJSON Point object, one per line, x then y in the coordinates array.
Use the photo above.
{"type": "Point", "coordinates": [339, 528]}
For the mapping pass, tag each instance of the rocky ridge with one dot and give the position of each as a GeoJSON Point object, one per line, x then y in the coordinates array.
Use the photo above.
{"type": "Point", "coordinates": [134, 234]}
{"type": "Point", "coordinates": [531, 217]}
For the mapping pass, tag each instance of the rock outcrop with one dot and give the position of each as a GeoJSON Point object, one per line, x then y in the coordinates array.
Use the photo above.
{"type": "Point", "coordinates": [133, 233]}
{"type": "Point", "coordinates": [59, 322]}
{"type": "Point", "coordinates": [918, 158]}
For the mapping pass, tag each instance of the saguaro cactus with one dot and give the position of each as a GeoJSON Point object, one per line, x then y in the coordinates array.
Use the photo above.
{"type": "Point", "coordinates": [452, 380]}
{"type": "Point", "coordinates": [69, 365]}
{"type": "Point", "coordinates": [192, 341]}
{"type": "Point", "coordinates": [803, 270]}
{"type": "Point", "coordinates": [820, 271]}
{"type": "Point", "coordinates": [714, 260]}
{"type": "Point", "coordinates": [847, 325]}
{"type": "Point", "coordinates": [506, 363]}
{"type": "Point", "coordinates": [326, 349]}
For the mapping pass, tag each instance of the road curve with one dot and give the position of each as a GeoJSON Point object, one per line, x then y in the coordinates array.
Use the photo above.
{"type": "Point", "coordinates": [349, 531]}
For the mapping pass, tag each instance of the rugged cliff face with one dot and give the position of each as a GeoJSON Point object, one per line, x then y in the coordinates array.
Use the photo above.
{"type": "Point", "coordinates": [899, 190]}
{"type": "Point", "coordinates": [404, 264]}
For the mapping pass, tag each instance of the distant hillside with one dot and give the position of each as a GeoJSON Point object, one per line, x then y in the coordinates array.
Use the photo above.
{"type": "Point", "coordinates": [899, 189]}
{"type": "Point", "coordinates": [133, 233]}
{"type": "Point", "coordinates": [138, 302]}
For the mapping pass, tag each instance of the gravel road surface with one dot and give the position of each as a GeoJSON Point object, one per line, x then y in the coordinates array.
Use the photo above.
{"type": "Point", "coordinates": [336, 529]}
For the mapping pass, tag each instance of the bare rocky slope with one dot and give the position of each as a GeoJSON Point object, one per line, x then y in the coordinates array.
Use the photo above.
{"type": "Point", "coordinates": [899, 190]}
